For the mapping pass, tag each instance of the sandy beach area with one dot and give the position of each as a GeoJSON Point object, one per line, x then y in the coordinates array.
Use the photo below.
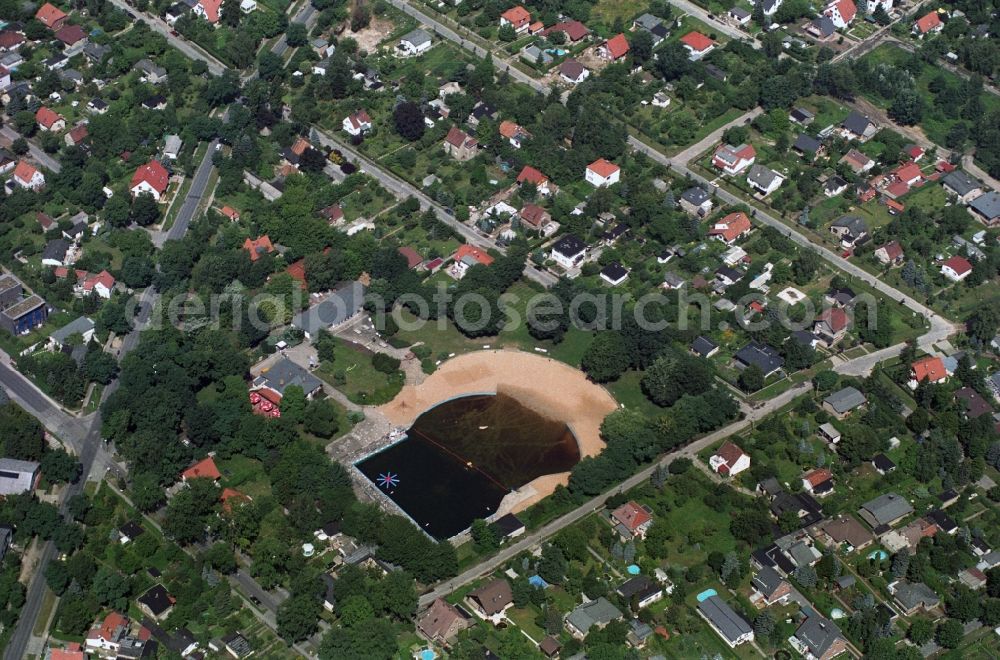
{"type": "Point", "coordinates": [549, 387]}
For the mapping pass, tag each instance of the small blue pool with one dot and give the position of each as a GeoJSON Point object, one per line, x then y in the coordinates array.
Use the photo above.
{"type": "Point", "coordinates": [558, 52]}
{"type": "Point", "coordinates": [428, 654]}
{"type": "Point", "coordinates": [632, 569]}
{"type": "Point", "coordinates": [837, 613]}
{"type": "Point", "coordinates": [706, 594]}
{"type": "Point", "coordinates": [538, 582]}
{"type": "Point", "coordinates": [881, 555]}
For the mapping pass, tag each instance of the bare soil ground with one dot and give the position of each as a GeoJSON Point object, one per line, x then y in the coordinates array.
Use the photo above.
{"type": "Point", "coordinates": [370, 37]}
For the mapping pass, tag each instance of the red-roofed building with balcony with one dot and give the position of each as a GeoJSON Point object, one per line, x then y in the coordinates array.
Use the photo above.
{"type": "Point", "coordinates": [108, 635]}
{"type": "Point", "coordinates": [210, 10]}
{"type": "Point", "coordinates": [151, 178]}
{"type": "Point", "coordinates": [956, 268]}
{"type": "Point", "coordinates": [49, 120]}
{"type": "Point", "coordinates": [731, 228]}
{"type": "Point", "coordinates": [203, 469]}
{"type": "Point", "coordinates": [733, 160]}
{"type": "Point", "coordinates": [530, 175]}
{"type": "Point", "coordinates": [927, 24]}
{"type": "Point", "coordinates": [930, 369]}
{"type": "Point", "coordinates": [103, 284]}
{"type": "Point", "coordinates": [27, 176]}
{"type": "Point", "coordinates": [841, 12]}
{"type": "Point", "coordinates": [602, 173]}
{"type": "Point", "coordinates": [633, 518]}
{"type": "Point", "coordinates": [729, 460]}
{"type": "Point", "coordinates": [51, 16]}
{"type": "Point", "coordinates": [516, 17]}
{"type": "Point", "coordinates": [614, 48]}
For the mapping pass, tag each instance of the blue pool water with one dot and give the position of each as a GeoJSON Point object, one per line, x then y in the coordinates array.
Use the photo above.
{"type": "Point", "coordinates": [538, 581]}
{"type": "Point", "coordinates": [558, 52]}
{"type": "Point", "coordinates": [706, 594]}
{"type": "Point", "coordinates": [880, 554]}
{"type": "Point", "coordinates": [632, 569]}
{"type": "Point", "coordinates": [428, 654]}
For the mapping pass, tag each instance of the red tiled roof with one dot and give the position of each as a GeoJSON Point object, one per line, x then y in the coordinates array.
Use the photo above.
{"type": "Point", "coordinates": [413, 258]}
{"type": "Point", "coordinates": [897, 188]}
{"type": "Point", "coordinates": [835, 317]}
{"type": "Point", "coordinates": [70, 34]}
{"type": "Point", "coordinates": [914, 151]}
{"type": "Point", "coordinates": [617, 46]}
{"type": "Point", "coordinates": [46, 117]}
{"type": "Point", "coordinates": [9, 39]}
{"type": "Point", "coordinates": [847, 10]}
{"type": "Point", "coordinates": [457, 137]}
{"type": "Point", "coordinates": [232, 494]}
{"type": "Point", "coordinates": [574, 30]}
{"type": "Point", "coordinates": [259, 246]}
{"type": "Point", "coordinates": [632, 515]}
{"type": "Point", "coordinates": [730, 453]}
{"type": "Point", "coordinates": [211, 8]}
{"type": "Point", "coordinates": [79, 133]}
{"type": "Point", "coordinates": [300, 146]}
{"type": "Point", "coordinates": [516, 16]}
{"type": "Point", "coordinates": [731, 226]}
{"type": "Point", "coordinates": [958, 264]}
{"type": "Point", "coordinates": [45, 221]}
{"type": "Point", "coordinates": [894, 206]}
{"type": "Point", "coordinates": [104, 277]}
{"type": "Point", "coordinates": [152, 173]}
{"type": "Point", "coordinates": [297, 271]}
{"type": "Point", "coordinates": [474, 252]}
{"type": "Point", "coordinates": [928, 22]}
{"type": "Point", "coordinates": [50, 15]}
{"type": "Point", "coordinates": [25, 171]}
{"type": "Point", "coordinates": [106, 630]}
{"type": "Point", "coordinates": [509, 129]}
{"type": "Point", "coordinates": [532, 214]}
{"type": "Point", "coordinates": [909, 171]}
{"type": "Point", "coordinates": [697, 41]}
{"type": "Point", "coordinates": [67, 654]}
{"type": "Point", "coordinates": [230, 212]}
{"type": "Point", "coordinates": [531, 175]}
{"type": "Point", "coordinates": [603, 168]}
{"type": "Point", "coordinates": [818, 476]}
{"type": "Point", "coordinates": [929, 368]}
{"type": "Point", "coordinates": [893, 249]}
{"type": "Point", "coordinates": [203, 469]}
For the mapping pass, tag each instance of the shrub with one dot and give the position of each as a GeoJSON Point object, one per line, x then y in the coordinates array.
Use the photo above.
{"type": "Point", "coordinates": [385, 363]}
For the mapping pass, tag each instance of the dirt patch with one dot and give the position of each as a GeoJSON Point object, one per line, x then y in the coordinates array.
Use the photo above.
{"type": "Point", "coordinates": [590, 59]}
{"type": "Point", "coordinates": [549, 387]}
{"type": "Point", "coordinates": [369, 38]}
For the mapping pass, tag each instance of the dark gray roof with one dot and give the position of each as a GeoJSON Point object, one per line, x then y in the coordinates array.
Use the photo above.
{"type": "Point", "coordinates": [987, 205]}
{"type": "Point", "coordinates": [80, 325]}
{"type": "Point", "coordinates": [801, 115]}
{"type": "Point", "coordinates": [824, 25]}
{"type": "Point", "coordinates": [156, 599]}
{"type": "Point", "coordinates": [56, 249]}
{"type": "Point", "coordinates": [761, 355]}
{"type": "Point", "coordinates": [915, 594]}
{"type": "Point", "coordinates": [416, 37]}
{"type": "Point", "coordinates": [885, 509]}
{"type": "Point", "coordinates": [703, 346]}
{"type": "Point", "coordinates": [639, 585]}
{"type": "Point", "coordinates": [614, 271]}
{"type": "Point", "coordinates": [767, 580]}
{"type": "Point", "coordinates": [508, 524]}
{"type": "Point", "coordinates": [807, 144]}
{"type": "Point", "coordinates": [883, 462]}
{"type": "Point", "coordinates": [845, 400]}
{"type": "Point", "coordinates": [596, 612]}
{"type": "Point", "coordinates": [945, 522]}
{"type": "Point", "coordinates": [695, 195]}
{"type": "Point", "coordinates": [761, 176]}
{"type": "Point", "coordinates": [856, 123]}
{"type": "Point", "coordinates": [729, 624]}
{"type": "Point", "coordinates": [336, 308]}
{"type": "Point", "coordinates": [238, 644]}
{"type": "Point", "coordinates": [818, 634]}
{"type": "Point", "coordinates": [852, 223]}
{"type": "Point", "coordinates": [569, 246]}
{"type": "Point", "coordinates": [284, 373]}
{"type": "Point", "coordinates": [739, 12]}
{"type": "Point", "coordinates": [960, 182]}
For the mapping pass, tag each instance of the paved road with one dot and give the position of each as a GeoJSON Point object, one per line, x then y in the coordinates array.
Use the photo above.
{"type": "Point", "coordinates": [730, 31]}
{"type": "Point", "coordinates": [40, 156]}
{"type": "Point", "coordinates": [192, 51]}
{"type": "Point", "coordinates": [402, 189]}
{"type": "Point", "coordinates": [688, 451]}
{"type": "Point", "coordinates": [199, 185]}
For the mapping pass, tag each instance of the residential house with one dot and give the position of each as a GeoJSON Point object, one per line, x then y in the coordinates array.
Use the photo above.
{"type": "Point", "coordinates": [517, 18]}
{"type": "Point", "coordinates": [961, 185]}
{"type": "Point", "coordinates": [696, 201]}
{"type": "Point", "coordinates": [883, 464]}
{"type": "Point", "coordinates": [602, 173]}
{"type": "Point", "coordinates": [210, 10]}
{"type": "Point", "coordinates": [844, 530]}
{"type": "Point", "coordinates": [986, 208]}
{"type": "Point", "coordinates": [237, 645]}
{"type": "Point", "coordinates": [357, 123]}
{"type": "Point", "coordinates": [857, 161]}
{"type": "Point", "coordinates": [818, 638]}
{"type": "Point", "coordinates": [97, 106]}
{"type": "Point", "coordinates": [514, 133]}
{"type": "Point", "coordinates": [841, 12]}
{"type": "Point", "coordinates": [82, 326]}
{"type": "Point", "coordinates": [156, 602]}
{"type": "Point", "coordinates": [912, 597]}
{"type": "Point", "coordinates": [614, 48]}
{"type": "Point", "coordinates": [730, 626]}
{"type": "Point", "coordinates": [51, 16]}
{"type": "Point", "coordinates": [767, 359]}
{"type": "Point", "coordinates": [725, 277]}
{"type": "Point", "coordinates": [574, 30]}
{"type": "Point", "coordinates": [414, 42]}
{"type": "Point", "coordinates": [535, 217]}
{"type": "Point", "coordinates": [697, 45]}
{"type": "Point", "coordinates": [465, 257]}
{"type": "Point", "coordinates": [842, 297]}
{"type": "Point", "coordinates": [729, 460]}
{"type": "Point", "coordinates": [594, 614]}
{"type": "Point", "coordinates": [807, 146]}
{"type": "Point", "coordinates": [770, 7]}
{"type": "Point", "coordinates": [568, 251]}
{"type": "Point", "coordinates": [769, 588]}
{"type": "Point", "coordinates": [614, 273]}
{"type": "Point", "coordinates": [17, 476]}
{"type": "Point", "coordinates": [831, 325]}
{"type": "Point", "coordinates": [129, 532]}
{"type": "Point", "coordinates": [73, 37]}
{"type": "Point", "coordinates": [102, 285]}
{"type": "Point", "coordinates": [818, 482]}
{"type": "Point", "coordinates": [640, 591]}
{"type": "Point", "coordinates": [801, 116]}
{"type": "Point", "coordinates": [573, 72]}
{"type": "Point", "coordinates": [459, 145]}
{"type": "Point", "coordinates": [10, 41]}
{"type": "Point", "coordinates": [822, 27]}
{"type": "Point", "coordinates": [929, 23]}
{"type": "Point", "coordinates": [973, 403]}
{"type": "Point", "coordinates": [740, 16]}
{"type": "Point", "coordinates": [733, 160]}
{"type": "Point", "coordinates": [151, 73]}
{"type": "Point", "coordinates": [203, 469]}
{"type": "Point", "coordinates": [21, 312]}
{"type": "Point", "coordinates": [492, 599]}
{"type": "Point", "coordinates": [283, 374]}
{"type": "Point", "coordinates": [885, 510]}
{"type": "Point", "coordinates": [930, 368]}
{"type": "Point", "coordinates": [731, 228]}
{"type": "Point", "coordinates": [258, 247]}
{"type": "Point", "coordinates": [151, 178]}
{"type": "Point", "coordinates": [704, 347]}
{"type": "Point", "coordinates": [890, 254]}
{"type": "Point", "coordinates": [850, 229]}
{"type": "Point", "coordinates": [107, 637]}
{"type": "Point", "coordinates": [908, 537]}
{"type": "Point", "coordinates": [28, 176]}
{"type": "Point", "coordinates": [973, 578]}
{"type": "Point", "coordinates": [342, 305]}
{"type": "Point", "coordinates": [764, 180]}
{"type": "Point", "coordinates": [56, 252]}
{"type": "Point", "coordinates": [856, 126]}
{"type": "Point", "coordinates": [834, 186]}
{"type": "Point", "coordinates": [76, 135]}
{"type": "Point", "coordinates": [509, 526]}
{"type": "Point", "coordinates": [48, 120]}
{"type": "Point", "coordinates": [632, 520]}
{"type": "Point", "coordinates": [172, 145]}
{"type": "Point", "coordinates": [535, 55]}
{"type": "Point", "coordinates": [441, 622]}
{"type": "Point", "coordinates": [155, 102]}
{"type": "Point", "coordinates": [843, 402]}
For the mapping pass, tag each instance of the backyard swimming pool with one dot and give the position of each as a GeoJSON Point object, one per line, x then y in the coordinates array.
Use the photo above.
{"type": "Point", "coordinates": [706, 594]}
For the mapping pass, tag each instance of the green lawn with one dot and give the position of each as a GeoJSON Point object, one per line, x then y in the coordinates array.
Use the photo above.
{"type": "Point", "coordinates": [353, 374]}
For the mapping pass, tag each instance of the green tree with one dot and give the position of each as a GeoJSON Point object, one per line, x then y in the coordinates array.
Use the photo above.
{"type": "Point", "coordinates": [607, 357]}
{"type": "Point", "coordinates": [145, 211]}
{"type": "Point", "coordinates": [298, 617]}
{"type": "Point", "coordinates": [293, 404]}
{"type": "Point", "coordinates": [752, 378]}
{"type": "Point", "coordinates": [921, 631]}
{"type": "Point", "coordinates": [321, 418]}
{"type": "Point", "coordinates": [409, 120]}
{"type": "Point", "coordinates": [949, 634]}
